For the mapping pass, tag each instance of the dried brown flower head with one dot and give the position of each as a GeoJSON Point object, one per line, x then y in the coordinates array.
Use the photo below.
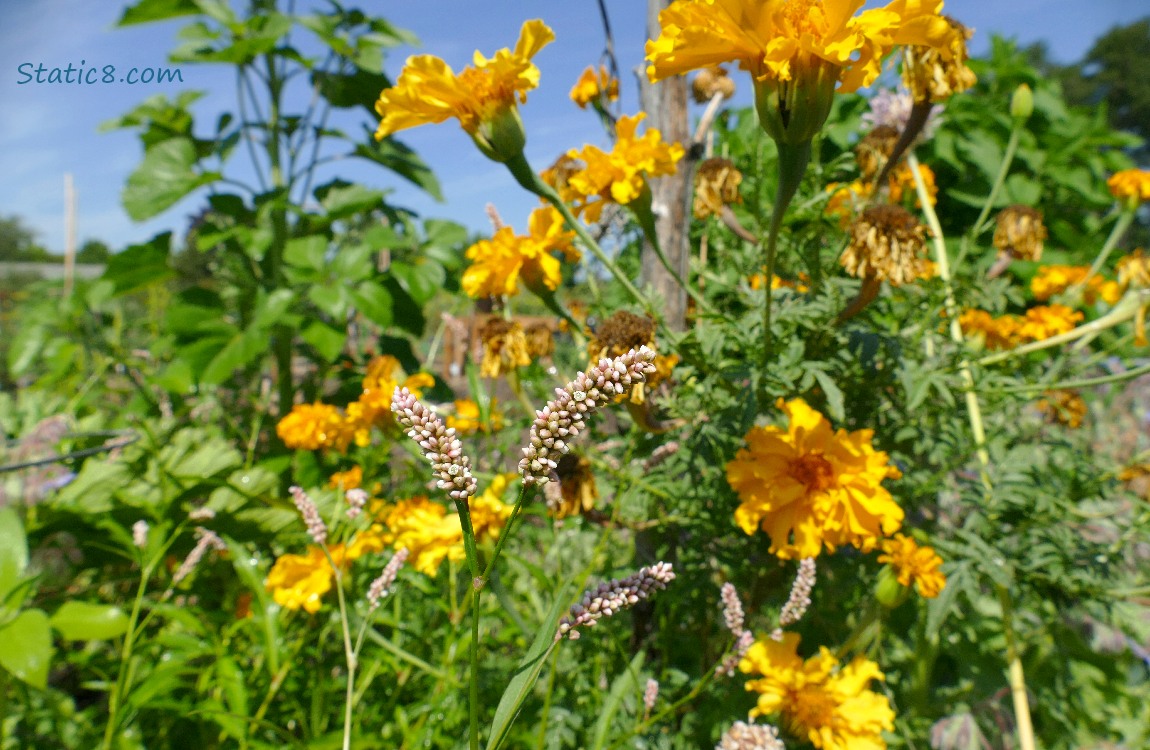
{"type": "Point", "coordinates": [1064, 407]}
{"type": "Point", "coordinates": [1134, 270]}
{"type": "Point", "coordinates": [504, 347]}
{"type": "Point", "coordinates": [620, 333]}
{"type": "Point", "coordinates": [716, 185]}
{"type": "Point", "coordinates": [577, 490]}
{"type": "Point", "coordinates": [540, 340]}
{"type": "Point", "coordinates": [1020, 232]}
{"type": "Point", "coordinates": [711, 81]}
{"type": "Point", "coordinates": [874, 149]}
{"type": "Point", "coordinates": [932, 75]}
{"type": "Point", "coordinates": [887, 244]}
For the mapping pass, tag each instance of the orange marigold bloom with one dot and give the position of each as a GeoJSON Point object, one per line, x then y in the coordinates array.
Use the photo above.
{"type": "Point", "coordinates": [914, 565]}
{"type": "Point", "coordinates": [995, 333]}
{"type": "Point", "coordinates": [819, 700]}
{"type": "Point", "coordinates": [594, 87]}
{"type": "Point", "coordinates": [1134, 270]}
{"type": "Point", "coordinates": [373, 407]}
{"type": "Point", "coordinates": [347, 480]}
{"type": "Point", "coordinates": [300, 581]}
{"type": "Point", "coordinates": [810, 488]}
{"type": "Point", "coordinates": [498, 263]}
{"type": "Point", "coordinates": [1054, 280]}
{"type": "Point", "coordinates": [1130, 185]}
{"type": "Point", "coordinates": [1046, 321]}
{"type": "Point", "coordinates": [310, 427]}
{"type": "Point", "coordinates": [466, 421]}
{"type": "Point", "coordinates": [1064, 407]}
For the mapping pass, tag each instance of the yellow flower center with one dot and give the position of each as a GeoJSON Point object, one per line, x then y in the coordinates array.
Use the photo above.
{"type": "Point", "coordinates": [814, 471]}
{"type": "Point", "coordinates": [810, 708]}
{"type": "Point", "coordinates": [805, 17]}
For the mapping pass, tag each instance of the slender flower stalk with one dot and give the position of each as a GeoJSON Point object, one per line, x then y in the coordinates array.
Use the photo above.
{"type": "Point", "coordinates": [650, 695]}
{"type": "Point", "coordinates": [140, 534]}
{"type": "Point", "coordinates": [1125, 219]}
{"type": "Point", "coordinates": [206, 540]}
{"type": "Point", "coordinates": [381, 586]}
{"type": "Point", "coordinates": [799, 599]}
{"type": "Point", "coordinates": [613, 596]}
{"type": "Point", "coordinates": [316, 528]}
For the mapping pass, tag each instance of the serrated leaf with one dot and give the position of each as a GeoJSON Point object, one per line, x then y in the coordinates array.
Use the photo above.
{"type": "Point", "coordinates": [26, 647]}
{"type": "Point", "coordinates": [833, 394]}
{"type": "Point", "coordinates": [81, 621]}
{"type": "Point", "coordinates": [146, 11]}
{"type": "Point", "coordinates": [420, 279]}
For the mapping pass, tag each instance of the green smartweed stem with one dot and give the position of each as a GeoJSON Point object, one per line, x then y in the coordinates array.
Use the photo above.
{"type": "Point", "coordinates": [999, 180]}
{"type": "Point", "coordinates": [793, 160]}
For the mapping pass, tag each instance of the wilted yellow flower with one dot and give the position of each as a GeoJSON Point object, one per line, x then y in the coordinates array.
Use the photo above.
{"type": "Point", "coordinates": [820, 701]}
{"type": "Point", "coordinates": [1054, 280]}
{"type": "Point", "coordinates": [934, 73]}
{"type": "Point", "coordinates": [558, 176]}
{"type": "Point", "coordinates": [874, 149]}
{"type": "Point", "coordinates": [498, 263]}
{"type": "Point", "coordinates": [426, 530]}
{"type": "Point", "coordinates": [483, 98]}
{"type": "Point", "coordinates": [619, 334]}
{"type": "Point", "coordinates": [310, 427]}
{"type": "Point", "coordinates": [716, 185]}
{"type": "Point", "coordinates": [504, 347]}
{"type": "Point", "coordinates": [1019, 232]}
{"type": "Point", "coordinates": [465, 420]}
{"type": "Point", "coordinates": [620, 176]}
{"type": "Point", "coordinates": [847, 200]}
{"type": "Point", "coordinates": [575, 492]}
{"type": "Point", "coordinates": [593, 87]}
{"type": "Point", "coordinates": [901, 181]}
{"type": "Point", "coordinates": [373, 407]}
{"type": "Point", "coordinates": [1130, 185]}
{"type": "Point", "coordinates": [1064, 407]}
{"type": "Point", "coordinates": [914, 564]}
{"type": "Point", "coordinates": [710, 81]}
{"type": "Point", "coordinates": [1134, 270]}
{"type": "Point", "coordinates": [797, 51]}
{"type": "Point", "coordinates": [809, 487]}
{"type": "Point", "coordinates": [540, 340]}
{"type": "Point", "coordinates": [347, 480]}
{"type": "Point", "coordinates": [887, 244]}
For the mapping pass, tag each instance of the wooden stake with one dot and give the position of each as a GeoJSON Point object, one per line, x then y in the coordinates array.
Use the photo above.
{"type": "Point", "coordinates": [69, 234]}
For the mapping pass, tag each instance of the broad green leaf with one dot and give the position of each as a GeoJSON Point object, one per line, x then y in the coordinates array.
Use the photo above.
{"type": "Point", "coordinates": [13, 551]}
{"type": "Point", "coordinates": [306, 252]}
{"type": "Point", "coordinates": [373, 301]}
{"type": "Point", "coordinates": [241, 350]}
{"type": "Point", "coordinates": [26, 647]}
{"type": "Point", "coordinates": [341, 201]}
{"type": "Point", "coordinates": [523, 681]}
{"type": "Point", "coordinates": [626, 683]}
{"type": "Point", "coordinates": [400, 159]}
{"type": "Point", "coordinates": [93, 489]}
{"type": "Point", "coordinates": [332, 300]}
{"type": "Point", "coordinates": [141, 265]}
{"type": "Point", "coordinates": [327, 340]}
{"type": "Point", "coordinates": [164, 177]}
{"type": "Point", "coordinates": [353, 263]}
{"type": "Point", "coordinates": [358, 89]}
{"type": "Point", "coordinates": [421, 279]}
{"type": "Point", "coordinates": [272, 308]}
{"type": "Point", "coordinates": [25, 347]}
{"type": "Point", "coordinates": [157, 10]}
{"type": "Point", "coordinates": [81, 621]}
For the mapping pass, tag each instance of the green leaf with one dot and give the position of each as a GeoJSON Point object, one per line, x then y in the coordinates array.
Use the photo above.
{"type": "Point", "coordinates": [421, 279]}
{"type": "Point", "coordinates": [81, 621]}
{"type": "Point", "coordinates": [13, 552]}
{"type": "Point", "coordinates": [157, 10]}
{"type": "Point", "coordinates": [141, 265]}
{"type": "Point", "coordinates": [345, 200]}
{"type": "Point", "coordinates": [163, 178]}
{"type": "Point", "coordinates": [332, 300]}
{"type": "Point", "coordinates": [26, 647]}
{"type": "Point", "coordinates": [373, 301]}
{"type": "Point", "coordinates": [833, 393]}
{"type": "Point", "coordinates": [93, 489]}
{"type": "Point", "coordinates": [24, 349]}
{"type": "Point", "coordinates": [359, 89]}
{"type": "Point", "coordinates": [400, 159]}
{"type": "Point", "coordinates": [525, 677]}
{"type": "Point", "coordinates": [327, 340]}
{"type": "Point", "coordinates": [241, 350]}
{"type": "Point", "coordinates": [306, 252]}
{"type": "Point", "coordinates": [625, 683]}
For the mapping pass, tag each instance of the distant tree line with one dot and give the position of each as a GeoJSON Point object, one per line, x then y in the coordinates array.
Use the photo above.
{"type": "Point", "coordinates": [18, 245]}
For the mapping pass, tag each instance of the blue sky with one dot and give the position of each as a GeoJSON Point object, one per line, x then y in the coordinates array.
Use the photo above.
{"type": "Point", "coordinates": [48, 130]}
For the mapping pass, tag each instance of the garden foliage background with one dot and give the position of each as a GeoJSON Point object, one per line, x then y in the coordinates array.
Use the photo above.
{"type": "Point", "coordinates": [215, 560]}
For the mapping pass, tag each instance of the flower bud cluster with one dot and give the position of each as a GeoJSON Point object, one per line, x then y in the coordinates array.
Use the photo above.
{"type": "Point", "coordinates": [743, 736]}
{"type": "Point", "coordinates": [563, 419]}
{"type": "Point", "coordinates": [206, 539]}
{"type": "Point", "coordinates": [438, 442]}
{"type": "Point", "coordinates": [650, 695]}
{"type": "Point", "coordinates": [356, 499]}
{"type": "Point", "coordinates": [316, 528]}
{"type": "Point", "coordinates": [381, 586]}
{"type": "Point", "coordinates": [612, 596]}
{"type": "Point", "coordinates": [735, 619]}
{"type": "Point", "coordinates": [800, 598]}
{"type": "Point", "coordinates": [140, 533]}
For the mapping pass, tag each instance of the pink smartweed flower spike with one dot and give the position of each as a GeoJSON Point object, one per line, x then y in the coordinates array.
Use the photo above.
{"type": "Point", "coordinates": [438, 443]}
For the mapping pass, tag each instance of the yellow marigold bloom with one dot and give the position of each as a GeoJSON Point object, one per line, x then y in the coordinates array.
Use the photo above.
{"type": "Point", "coordinates": [914, 565]}
{"type": "Point", "coordinates": [426, 530]}
{"type": "Point", "coordinates": [796, 50]}
{"type": "Point", "coordinates": [1134, 270]}
{"type": "Point", "coordinates": [1130, 185]}
{"type": "Point", "coordinates": [1045, 321]}
{"type": "Point", "coordinates": [620, 176]}
{"type": "Point", "coordinates": [1064, 407]}
{"type": "Point", "coordinates": [593, 87]}
{"type": "Point", "coordinates": [558, 176]}
{"type": "Point", "coordinates": [935, 73]}
{"type": "Point", "coordinates": [373, 407]}
{"type": "Point", "coordinates": [300, 581]}
{"type": "Point", "coordinates": [504, 347]}
{"type": "Point", "coordinates": [819, 700]}
{"type": "Point", "coordinates": [465, 420]}
{"type": "Point", "coordinates": [483, 98]}
{"type": "Point", "coordinates": [489, 513]}
{"type": "Point", "coordinates": [347, 480]}
{"type": "Point", "coordinates": [498, 263]}
{"type": "Point", "coordinates": [847, 200]}
{"type": "Point", "coordinates": [995, 333]}
{"type": "Point", "coordinates": [310, 427]}
{"type": "Point", "coordinates": [809, 487]}
{"type": "Point", "coordinates": [901, 182]}
{"type": "Point", "coordinates": [800, 284]}
{"type": "Point", "coordinates": [874, 149]}
{"type": "Point", "coordinates": [1019, 232]}
{"type": "Point", "coordinates": [716, 185]}
{"type": "Point", "coordinates": [1054, 280]}
{"type": "Point", "coordinates": [887, 244]}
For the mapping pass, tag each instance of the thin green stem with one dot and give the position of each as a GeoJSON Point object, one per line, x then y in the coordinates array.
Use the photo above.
{"type": "Point", "coordinates": [1116, 232]}
{"type": "Point", "coordinates": [793, 160]}
{"type": "Point", "coordinates": [1118, 377]}
{"type": "Point", "coordinates": [999, 180]}
{"type": "Point", "coordinates": [349, 651]}
{"type": "Point", "coordinates": [641, 210]}
{"type": "Point", "coordinates": [1017, 680]}
{"type": "Point", "coordinates": [116, 699]}
{"type": "Point", "coordinates": [507, 530]}
{"type": "Point", "coordinates": [473, 686]}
